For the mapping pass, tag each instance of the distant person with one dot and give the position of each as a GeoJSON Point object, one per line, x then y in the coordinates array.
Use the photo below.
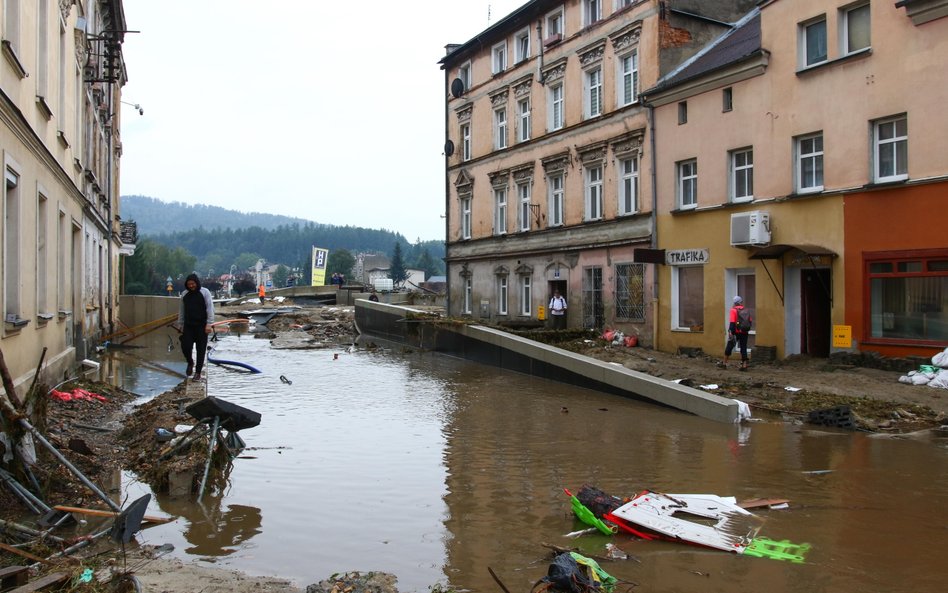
{"type": "Point", "coordinates": [195, 316]}
{"type": "Point", "coordinates": [262, 293]}
{"type": "Point", "coordinates": [374, 296]}
{"type": "Point", "coordinates": [558, 310]}
{"type": "Point", "coordinates": [738, 328]}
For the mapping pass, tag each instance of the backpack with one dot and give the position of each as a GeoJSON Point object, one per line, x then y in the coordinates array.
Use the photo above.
{"type": "Point", "coordinates": [744, 320]}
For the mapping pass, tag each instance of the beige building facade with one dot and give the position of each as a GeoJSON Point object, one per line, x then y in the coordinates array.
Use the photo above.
{"type": "Point", "coordinates": [61, 74]}
{"type": "Point", "coordinates": [548, 158]}
{"type": "Point", "coordinates": [801, 163]}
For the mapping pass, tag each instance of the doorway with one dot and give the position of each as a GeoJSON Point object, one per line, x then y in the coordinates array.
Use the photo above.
{"type": "Point", "coordinates": [816, 303]}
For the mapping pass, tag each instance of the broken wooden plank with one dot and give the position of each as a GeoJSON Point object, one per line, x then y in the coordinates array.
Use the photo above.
{"type": "Point", "coordinates": [755, 503]}
{"type": "Point", "coordinates": [56, 578]}
{"type": "Point", "coordinates": [19, 552]}
{"type": "Point", "coordinates": [13, 576]}
{"type": "Point", "coordinates": [104, 513]}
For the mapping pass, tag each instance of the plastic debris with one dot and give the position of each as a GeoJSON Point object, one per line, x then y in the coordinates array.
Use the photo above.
{"type": "Point", "coordinates": [710, 386]}
{"type": "Point", "coordinates": [792, 389]}
{"type": "Point", "coordinates": [761, 547]}
{"type": "Point", "coordinates": [77, 394]}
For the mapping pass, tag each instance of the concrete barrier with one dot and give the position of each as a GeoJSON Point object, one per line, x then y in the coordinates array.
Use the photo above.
{"type": "Point", "coordinates": [138, 309]}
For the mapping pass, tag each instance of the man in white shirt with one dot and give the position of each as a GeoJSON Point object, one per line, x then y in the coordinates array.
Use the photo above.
{"type": "Point", "coordinates": [558, 310]}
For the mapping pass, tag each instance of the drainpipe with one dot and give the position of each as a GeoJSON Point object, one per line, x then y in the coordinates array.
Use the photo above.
{"type": "Point", "coordinates": [540, 52]}
{"type": "Point", "coordinates": [108, 206]}
{"type": "Point", "coordinates": [654, 242]}
{"type": "Point", "coordinates": [447, 195]}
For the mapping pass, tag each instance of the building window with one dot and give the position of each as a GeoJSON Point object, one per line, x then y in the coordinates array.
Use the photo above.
{"type": "Point", "coordinates": [11, 24]}
{"type": "Point", "coordinates": [502, 295]}
{"type": "Point", "coordinates": [523, 119]}
{"type": "Point", "coordinates": [855, 29]}
{"type": "Point", "coordinates": [687, 183]}
{"type": "Point", "coordinates": [592, 11]}
{"type": "Point", "coordinates": [500, 211]}
{"type": "Point", "coordinates": [526, 295]}
{"type": "Point", "coordinates": [468, 295]}
{"type": "Point", "coordinates": [628, 78]}
{"type": "Point", "coordinates": [466, 218]}
{"type": "Point", "coordinates": [522, 45]}
{"type": "Point", "coordinates": [42, 49]}
{"type": "Point", "coordinates": [682, 112]}
{"type": "Point", "coordinates": [556, 199]}
{"type": "Point", "coordinates": [464, 73]}
{"type": "Point", "coordinates": [42, 254]}
{"type": "Point", "coordinates": [593, 192]}
{"type": "Point", "coordinates": [554, 23]}
{"type": "Point", "coordinates": [813, 42]}
{"type": "Point", "coordinates": [556, 107]}
{"type": "Point", "coordinates": [727, 99]}
{"type": "Point", "coordinates": [593, 310]}
{"type": "Point", "coordinates": [465, 142]}
{"type": "Point", "coordinates": [499, 58]}
{"type": "Point", "coordinates": [890, 150]}
{"type": "Point", "coordinates": [11, 245]}
{"type": "Point", "coordinates": [908, 297]}
{"type": "Point", "coordinates": [688, 298]}
{"type": "Point", "coordinates": [630, 291]}
{"type": "Point", "coordinates": [593, 92]}
{"type": "Point", "coordinates": [742, 175]}
{"type": "Point", "coordinates": [500, 128]}
{"type": "Point", "coordinates": [523, 211]}
{"type": "Point", "coordinates": [620, 4]}
{"type": "Point", "coordinates": [628, 185]}
{"type": "Point", "coordinates": [810, 163]}
{"type": "Point", "coordinates": [62, 261]}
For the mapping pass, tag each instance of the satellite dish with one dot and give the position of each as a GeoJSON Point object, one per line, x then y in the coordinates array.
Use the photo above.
{"type": "Point", "coordinates": [448, 148]}
{"type": "Point", "coordinates": [457, 87]}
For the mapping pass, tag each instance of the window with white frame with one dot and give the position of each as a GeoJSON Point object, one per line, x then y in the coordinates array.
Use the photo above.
{"type": "Point", "coordinates": [727, 99]}
{"type": "Point", "coordinates": [555, 184]}
{"type": "Point", "coordinates": [742, 174]}
{"type": "Point", "coordinates": [628, 78]}
{"type": "Point", "coordinates": [42, 50]}
{"type": "Point", "coordinates": [682, 112]}
{"type": "Point", "coordinates": [620, 4]}
{"type": "Point", "coordinates": [502, 294]}
{"type": "Point", "coordinates": [500, 211]}
{"type": "Point", "coordinates": [687, 174]}
{"type": "Point", "coordinates": [466, 217]}
{"type": "Point", "coordinates": [630, 291]}
{"type": "Point", "coordinates": [813, 42]}
{"type": "Point", "coordinates": [890, 149]}
{"type": "Point", "coordinates": [523, 211]}
{"type": "Point", "coordinates": [468, 295]}
{"type": "Point", "coordinates": [628, 185]}
{"type": "Point", "coordinates": [526, 295]}
{"type": "Point", "coordinates": [42, 254]}
{"type": "Point", "coordinates": [687, 298]}
{"type": "Point", "coordinates": [62, 261]}
{"type": "Point", "coordinates": [809, 169]}
{"type": "Point", "coordinates": [855, 30]}
{"type": "Point", "coordinates": [500, 128]}
{"type": "Point", "coordinates": [593, 94]}
{"type": "Point", "coordinates": [11, 245]}
{"type": "Point", "coordinates": [464, 73]}
{"type": "Point", "coordinates": [592, 11]}
{"type": "Point", "coordinates": [593, 191]}
{"type": "Point", "coordinates": [554, 23]}
{"type": "Point", "coordinates": [466, 142]}
{"type": "Point", "coordinates": [523, 119]}
{"type": "Point", "coordinates": [522, 45]}
{"type": "Point", "coordinates": [499, 58]}
{"type": "Point", "coordinates": [556, 106]}
{"type": "Point", "coordinates": [11, 23]}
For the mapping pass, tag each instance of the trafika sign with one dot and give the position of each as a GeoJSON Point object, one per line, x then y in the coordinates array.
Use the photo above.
{"type": "Point", "coordinates": [687, 257]}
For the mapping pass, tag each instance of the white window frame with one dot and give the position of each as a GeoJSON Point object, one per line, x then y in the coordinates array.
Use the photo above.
{"type": "Point", "coordinates": [592, 12]}
{"type": "Point", "coordinates": [12, 229]}
{"type": "Point", "coordinates": [686, 174]}
{"type": "Point", "coordinates": [524, 197]}
{"type": "Point", "coordinates": [500, 128]}
{"type": "Point", "coordinates": [500, 211]}
{"type": "Point", "coordinates": [628, 192]}
{"type": "Point", "coordinates": [465, 207]}
{"type": "Point", "coordinates": [555, 23]}
{"type": "Point", "coordinates": [522, 45]}
{"type": "Point", "coordinates": [676, 299]}
{"type": "Point", "coordinates": [814, 156]}
{"type": "Point", "coordinates": [502, 294]}
{"type": "Point", "coordinates": [890, 145]}
{"type": "Point", "coordinates": [526, 295]}
{"type": "Point", "coordinates": [592, 92]}
{"type": "Point", "coordinates": [523, 119]}
{"type": "Point", "coordinates": [556, 184]}
{"type": "Point", "coordinates": [741, 177]}
{"type": "Point", "coordinates": [620, 4]}
{"type": "Point", "coordinates": [727, 100]}
{"type": "Point", "coordinates": [592, 191]}
{"type": "Point", "coordinates": [498, 57]}
{"type": "Point", "coordinates": [805, 28]}
{"type": "Point", "coordinates": [42, 252]}
{"type": "Point", "coordinates": [627, 78]}
{"type": "Point", "coordinates": [845, 22]}
{"type": "Point", "coordinates": [466, 141]}
{"type": "Point", "coordinates": [468, 295]}
{"type": "Point", "coordinates": [557, 106]}
{"type": "Point", "coordinates": [464, 73]}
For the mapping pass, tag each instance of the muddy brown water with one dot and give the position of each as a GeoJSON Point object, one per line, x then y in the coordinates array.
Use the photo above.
{"type": "Point", "coordinates": [435, 469]}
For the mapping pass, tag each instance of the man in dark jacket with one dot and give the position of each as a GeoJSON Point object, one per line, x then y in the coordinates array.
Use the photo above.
{"type": "Point", "coordinates": [195, 316]}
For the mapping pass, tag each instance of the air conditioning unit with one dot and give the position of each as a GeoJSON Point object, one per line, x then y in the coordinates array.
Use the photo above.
{"type": "Point", "coordinates": [750, 228]}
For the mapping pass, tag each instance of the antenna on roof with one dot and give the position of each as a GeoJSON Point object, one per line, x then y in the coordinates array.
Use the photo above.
{"type": "Point", "coordinates": [488, 15]}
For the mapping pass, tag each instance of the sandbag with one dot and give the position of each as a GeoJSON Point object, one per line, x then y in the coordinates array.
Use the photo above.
{"type": "Point", "coordinates": [941, 359]}
{"type": "Point", "coordinates": [940, 380]}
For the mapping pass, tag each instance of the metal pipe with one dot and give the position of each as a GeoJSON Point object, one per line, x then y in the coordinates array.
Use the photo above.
{"type": "Point", "coordinates": [210, 455]}
{"type": "Point", "coordinates": [36, 505]}
{"type": "Point", "coordinates": [30, 531]}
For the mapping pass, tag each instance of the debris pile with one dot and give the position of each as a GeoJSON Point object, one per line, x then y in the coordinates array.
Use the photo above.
{"type": "Point", "coordinates": [933, 375]}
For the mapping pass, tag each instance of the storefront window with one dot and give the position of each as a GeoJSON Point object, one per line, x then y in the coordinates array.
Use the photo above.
{"type": "Point", "coordinates": [688, 292]}
{"type": "Point", "coordinates": [909, 298]}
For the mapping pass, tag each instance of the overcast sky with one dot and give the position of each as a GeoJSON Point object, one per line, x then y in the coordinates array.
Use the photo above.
{"type": "Point", "coordinates": [328, 111]}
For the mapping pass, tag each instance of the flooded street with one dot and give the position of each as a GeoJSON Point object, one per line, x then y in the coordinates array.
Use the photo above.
{"type": "Point", "coordinates": [435, 469]}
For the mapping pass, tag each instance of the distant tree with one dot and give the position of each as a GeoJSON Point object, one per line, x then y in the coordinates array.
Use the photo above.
{"type": "Point", "coordinates": [396, 270]}
{"type": "Point", "coordinates": [426, 263]}
{"type": "Point", "coordinates": [244, 284]}
{"type": "Point", "coordinates": [211, 283]}
{"type": "Point", "coordinates": [340, 260]}
{"type": "Point", "coordinates": [245, 261]}
{"type": "Point", "coordinates": [280, 275]}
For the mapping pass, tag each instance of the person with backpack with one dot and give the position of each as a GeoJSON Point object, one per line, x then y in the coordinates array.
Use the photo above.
{"type": "Point", "coordinates": [558, 310]}
{"type": "Point", "coordinates": [739, 326]}
{"type": "Point", "coordinates": [195, 316]}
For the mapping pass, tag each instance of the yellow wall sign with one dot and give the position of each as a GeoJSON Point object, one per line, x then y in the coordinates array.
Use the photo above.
{"type": "Point", "coordinates": [842, 336]}
{"type": "Point", "coordinates": [541, 313]}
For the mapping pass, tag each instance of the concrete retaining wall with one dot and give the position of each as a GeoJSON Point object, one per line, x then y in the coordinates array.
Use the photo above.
{"type": "Point", "coordinates": [490, 346]}
{"type": "Point", "coordinates": [138, 309]}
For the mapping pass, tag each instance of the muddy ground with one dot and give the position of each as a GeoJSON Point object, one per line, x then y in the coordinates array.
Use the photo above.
{"type": "Point", "coordinates": [99, 437]}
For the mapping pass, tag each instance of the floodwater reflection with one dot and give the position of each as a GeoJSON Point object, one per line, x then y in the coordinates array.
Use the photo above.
{"type": "Point", "coordinates": [435, 469]}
